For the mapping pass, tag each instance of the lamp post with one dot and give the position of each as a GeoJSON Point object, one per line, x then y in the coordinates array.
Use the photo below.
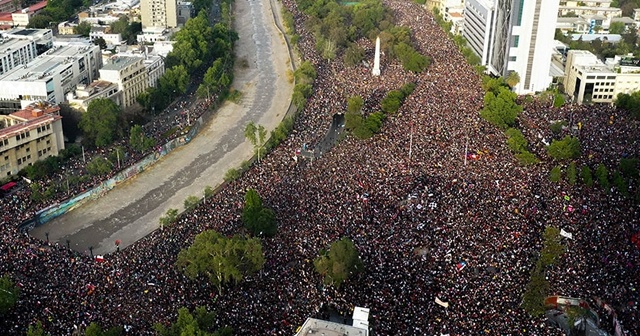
{"type": "Point", "coordinates": [47, 235]}
{"type": "Point", "coordinates": [68, 244]}
{"type": "Point", "coordinates": [91, 251]}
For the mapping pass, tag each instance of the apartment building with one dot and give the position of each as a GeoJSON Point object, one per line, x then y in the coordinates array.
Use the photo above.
{"type": "Point", "coordinates": [52, 75]}
{"type": "Point", "coordinates": [85, 94]}
{"type": "Point", "coordinates": [29, 135]}
{"type": "Point", "coordinates": [15, 52]}
{"type": "Point", "coordinates": [129, 73]}
{"type": "Point", "coordinates": [159, 13]}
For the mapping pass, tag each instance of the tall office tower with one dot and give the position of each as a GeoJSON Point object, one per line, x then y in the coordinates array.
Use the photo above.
{"type": "Point", "coordinates": [159, 13]}
{"type": "Point", "coordinates": [514, 35]}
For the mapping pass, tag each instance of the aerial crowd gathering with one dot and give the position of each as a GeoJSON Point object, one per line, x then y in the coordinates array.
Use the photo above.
{"type": "Point", "coordinates": [429, 220]}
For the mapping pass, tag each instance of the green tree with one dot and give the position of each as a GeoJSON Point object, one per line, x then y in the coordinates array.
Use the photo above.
{"type": "Point", "coordinates": [101, 124]}
{"type": "Point", "coordinates": [9, 294]}
{"type": "Point", "coordinates": [629, 102]}
{"type": "Point", "coordinates": [36, 330]}
{"type": "Point", "coordinates": [513, 78]}
{"type": "Point", "coordinates": [99, 166]}
{"type": "Point", "coordinates": [83, 29]}
{"type": "Point", "coordinates": [305, 73]}
{"type": "Point", "coordinates": [40, 21]}
{"type": "Point", "coordinates": [501, 110]}
{"type": "Point", "coordinates": [220, 259]}
{"type": "Point", "coordinates": [527, 158]}
{"type": "Point", "coordinates": [629, 167]}
{"type": "Point", "coordinates": [411, 60]}
{"type": "Point", "coordinates": [354, 105]}
{"type": "Point", "coordinates": [340, 262]}
{"type": "Point", "coordinates": [572, 173]}
{"type": "Point", "coordinates": [353, 55]}
{"type": "Point", "coordinates": [175, 80]}
{"type": "Point", "coordinates": [587, 177]}
{"type": "Point", "coordinates": [169, 218]}
{"type": "Point", "coordinates": [556, 174]}
{"type": "Point", "coordinates": [194, 43]}
{"type": "Point", "coordinates": [208, 192]}
{"type": "Point", "coordinates": [256, 135]}
{"type": "Point", "coordinates": [200, 323]}
{"type": "Point", "coordinates": [139, 141]}
{"type": "Point", "coordinates": [191, 202]}
{"type": "Point", "coordinates": [602, 174]}
{"type": "Point", "coordinates": [567, 148]}
{"type": "Point", "coordinates": [516, 141]}
{"type": "Point", "coordinates": [259, 220]}
{"type": "Point", "coordinates": [231, 175]}
{"type": "Point", "coordinates": [95, 329]}
{"type": "Point", "coordinates": [392, 101]}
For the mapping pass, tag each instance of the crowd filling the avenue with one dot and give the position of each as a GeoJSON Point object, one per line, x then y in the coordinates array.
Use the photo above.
{"type": "Point", "coordinates": [412, 199]}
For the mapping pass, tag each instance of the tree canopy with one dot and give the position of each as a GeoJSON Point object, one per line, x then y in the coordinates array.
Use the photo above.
{"type": "Point", "coordinates": [629, 102]}
{"type": "Point", "coordinates": [259, 220]}
{"type": "Point", "coordinates": [200, 323]}
{"type": "Point", "coordinates": [101, 124]}
{"type": "Point", "coordinates": [95, 329]}
{"type": "Point", "coordinates": [9, 294]}
{"type": "Point", "coordinates": [567, 148]}
{"type": "Point", "coordinates": [340, 262]}
{"type": "Point", "coordinates": [501, 109]}
{"type": "Point", "coordinates": [220, 259]}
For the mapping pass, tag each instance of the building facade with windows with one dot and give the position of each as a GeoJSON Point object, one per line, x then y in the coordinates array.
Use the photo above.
{"type": "Point", "coordinates": [85, 94]}
{"type": "Point", "coordinates": [15, 52]}
{"type": "Point", "coordinates": [29, 135]}
{"type": "Point", "coordinates": [129, 73]}
{"type": "Point", "coordinates": [589, 80]}
{"type": "Point", "coordinates": [52, 75]}
{"type": "Point", "coordinates": [513, 35]}
{"type": "Point", "coordinates": [159, 13]}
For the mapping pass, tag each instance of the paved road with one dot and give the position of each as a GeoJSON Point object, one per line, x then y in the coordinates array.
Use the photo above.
{"type": "Point", "coordinates": [132, 210]}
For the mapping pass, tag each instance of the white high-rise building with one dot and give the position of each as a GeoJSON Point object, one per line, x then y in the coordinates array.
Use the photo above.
{"type": "Point", "coordinates": [514, 35]}
{"type": "Point", "coordinates": [159, 13]}
{"type": "Point", "coordinates": [15, 52]}
{"type": "Point", "coordinates": [129, 73]}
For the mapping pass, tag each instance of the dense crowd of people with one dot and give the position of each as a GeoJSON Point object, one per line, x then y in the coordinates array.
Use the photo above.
{"type": "Point", "coordinates": [429, 220]}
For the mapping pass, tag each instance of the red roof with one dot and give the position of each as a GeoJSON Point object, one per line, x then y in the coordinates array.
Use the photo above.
{"type": "Point", "coordinates": [5, 17]}
{"type": "Point", "coordinates": [38, 6]}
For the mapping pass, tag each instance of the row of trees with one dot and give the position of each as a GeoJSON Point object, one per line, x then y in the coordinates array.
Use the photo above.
{"type": "Point", "coordinates": [336, 28]}
{"type": "Point", "coordinates": [538, 286]}
{"type": "Point", "coordinates": [364, 127]}
{"type": "Point", "coordinates": [626, 175]}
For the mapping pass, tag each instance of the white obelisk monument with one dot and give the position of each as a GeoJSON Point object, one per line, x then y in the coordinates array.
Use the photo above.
{"type": "Point", "coordinates": [376, 59]}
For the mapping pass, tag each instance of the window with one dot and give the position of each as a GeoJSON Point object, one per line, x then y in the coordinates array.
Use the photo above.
{"type": "Point", "coordinates": [512, 58]}
{"type": "Point", "coordinates": [515, 42]}
{"type": "Point", "coordinates": [591, 77]}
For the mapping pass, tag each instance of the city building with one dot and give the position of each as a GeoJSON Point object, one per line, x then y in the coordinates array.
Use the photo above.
{"type": "Point", "coordinates": [105, 33]}
{"type": "Point", "coordinates": [22, 17]}
{"type": "Point", "coordinates": [479, 27]}
{"type": "Point", "coordinates": [129, 73]}
{"type": "Point", "coordinates": [589, 80]}
{"type": "Point", "coordinates": [153, 34]}
{"type": "Point", "coordinates": [9, 6]}
{"type": "Point", "coordinates": [155, 68]}
{"type": "Point", "coordinates": [66, 28]}
{"type": "Point", "coordinates": [185, 12]}
{"type": "Point", "coordinates": [29, 135]}
{"type": "Point", "coordinates": [15, 52]}
{"type": "Point", "coordinates": [589, 8]}
{"type": "Point", "coordinates": [159, 13]}
{"type": "Point", "coordinates": [359, 326]}
{"type": "Point", "coordinates": [52, 75]}
{"type": "Point", "coordinates": [42, 37]}
{"type": "Point", "coordinates": [85, 94]}
{"type": "Point", "coordinates": [514, 35]}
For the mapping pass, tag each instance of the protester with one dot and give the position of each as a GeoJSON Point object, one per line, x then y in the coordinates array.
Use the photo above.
{"type": "Point", "coordinates": [434, 224]}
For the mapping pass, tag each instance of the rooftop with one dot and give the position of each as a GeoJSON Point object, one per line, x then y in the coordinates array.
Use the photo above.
{"type": "Point", "coordinates": [38, 6]}
{"type": "Point", "coordinates": [320, 327]}
{"type": "Point", "coordinates": [44, 65]}
{"type": "Point", "coordinates": [120, 62]}
{"type": "Point", "coordinates": [10, 45]}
